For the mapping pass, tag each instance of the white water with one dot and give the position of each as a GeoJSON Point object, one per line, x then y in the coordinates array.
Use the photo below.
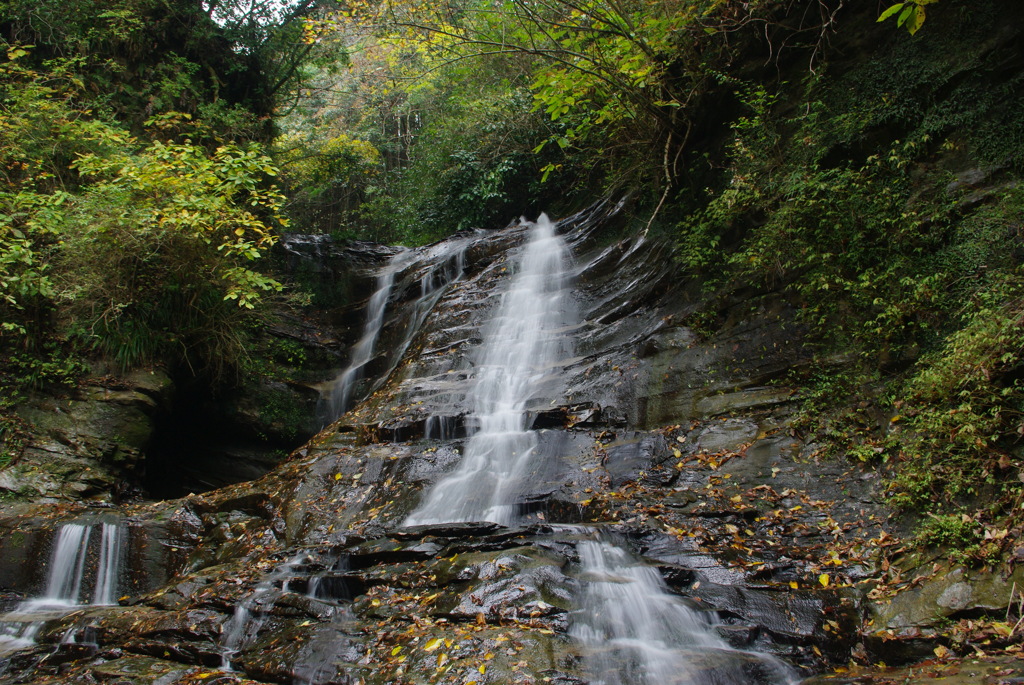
{"type": "Point", "coordinates": [521, 346]}
{"type": "Point", "coordinates": [249, 616]}
{"type": "Point", "coordinates": [69, 571]}
{"type": "Point", "coordinates": [635, 632]}
{"type": "Point", "coordinates": [108, 565]}
{"type": "Point", "coordinates": [339, 394]}
{"type": "Point", "coordinates": [67, 565]}
{"type": "Point", "coordinates": [446, 263]}
{"type": "Point", "coordinates": [448, 268]}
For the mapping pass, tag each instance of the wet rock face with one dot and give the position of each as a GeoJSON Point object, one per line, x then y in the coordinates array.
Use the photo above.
{"type": "Point", "coordinates": [670, 443]}
{"type": "Point", "coordinates": [634, 359]}
{"type": "Point", "coordinates": [89, 442]}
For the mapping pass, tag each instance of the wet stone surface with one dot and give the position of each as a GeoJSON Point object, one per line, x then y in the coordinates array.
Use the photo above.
{"type": "Point", "coordinates": [676, 447]}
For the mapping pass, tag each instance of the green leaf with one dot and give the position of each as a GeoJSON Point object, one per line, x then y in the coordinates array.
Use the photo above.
{"type": "Point", "coordinates": [905, 14]}
{"type": "Point", "coordinates": [916, 20]}
{"type": "Point", "coordinates": [891, 11]}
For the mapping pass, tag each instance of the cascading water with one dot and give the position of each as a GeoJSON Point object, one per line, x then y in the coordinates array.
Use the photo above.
{"type": "Point", "coordinates": [444, 264]}
{"type": "Point", "coordinates": [634, 632]}
{"type": "Point", "coordinates": [70, 569]}
{"type": "Point", "coordinates": [68, 564]}
{"type": "Point", "coordinates": [336, 399]}
{"type": "Point", "coordinates": [330, 592]}
{"type": "Point", "coordinates": [523, 342]}
{"type": "Point", "coordinates": [108, 565]}
{"type": "Point", "coordinates": [251, 614]}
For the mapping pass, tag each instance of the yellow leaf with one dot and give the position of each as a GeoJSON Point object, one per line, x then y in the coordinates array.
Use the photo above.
{"type": "Point", "coordinates": [941, 652]}
{"type": "Point", "coordinates": [432, 644]}
{"type": "Point", "coordinates": [737, 499]}
{"type": "Point", "coordinates": [823, 579]}
{"type": "Point", "coordinates": [1001, 628]}
{"type": "Point", "coordinates": [442, 659]}
{"type": "Point", "coordinates": [482, 669]}
{"type": "Point", "coordinates": [793, 584]}
{"type": "Point", "coordinates": [337, 476]}
{"type": "Point", "coordinates": [396, 650]}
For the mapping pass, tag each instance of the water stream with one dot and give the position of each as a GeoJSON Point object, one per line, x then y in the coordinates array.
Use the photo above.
{"type": "Point", "coordinates": [250, 614]}
{"type": "Point", "coordinates": [522, 344]}
{"type": "Point", "coordinates": [632, 630]}
{"type": "Point", "coordinates": [442, 264]}
{"type": "Point", "coordinates": [74, 563]}
{"type": "Point", "coordinates": [635, 632]}
{"type": "Point", "coordinates": [338, 395]}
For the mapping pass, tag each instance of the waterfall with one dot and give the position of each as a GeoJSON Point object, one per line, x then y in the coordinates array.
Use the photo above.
{"type": "Point", "coordinates": [70, 571]}
{"type": "Point", "coordinates": [445, 263]}
{"type": "Point", "coordinates": [108, 565]}
{"type": "Point", "coordinates": [336, 400]}
{"type": "Point", "coordinates": [250, 615]}
{"type": "Point", "coordinates": [450, 268]}
{"type": "Point", "coordinates": [521, 345]}
{"type": "Point", "coordinates": [631, 628]}
{"type": "Point", "coordinates": [67, 564]}
{"type": "Point", "coordinates": [635, 632]}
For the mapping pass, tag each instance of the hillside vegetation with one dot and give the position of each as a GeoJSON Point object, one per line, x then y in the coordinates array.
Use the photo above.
{"type": "Point", "coordinates": [152, 150]}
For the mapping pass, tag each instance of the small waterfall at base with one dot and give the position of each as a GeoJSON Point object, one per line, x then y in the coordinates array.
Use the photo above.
{"type": "Point", "coordinates": [521, 345]}
{"type": "Point", "coordinates": [70, 569]}
{"type": "Point", "coordinates": [634, 632]}
{"type": "Point", "coordinates": [108, 565]}
{"type": "Point", "coordinates": [336, 399]}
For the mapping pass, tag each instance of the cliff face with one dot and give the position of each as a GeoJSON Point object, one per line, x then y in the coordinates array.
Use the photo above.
{"type": "Point", "coordinates": [670, 434]}
{"type": "Point", "coordinates": [674, 446]}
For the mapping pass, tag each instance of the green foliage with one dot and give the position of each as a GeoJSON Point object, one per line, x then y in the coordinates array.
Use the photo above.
{"type": "Point", "coordinates": [132, 248]}
{"type": "Point", "coordinates": [951, 530]}
{"type": "Point", "coordinates": [282, 415]}
{"type": "Point", "coordinates": [963, 408]}
{"type": "Point", "coordinates": [12, 440]}
{"type": "Point", "coordinates": [908, 14]}
{"type": "Point", "coordinates": [884, 197]}
{"type": "Point", "coordinates": [52, 366]}
{"type": "Point", "coordinates": [142, 58]}
{"type": "Point", "coordinates": [473, 168]}
{"type": "Point", "coordinates": [328, 178]}
{"type": "Point", "coordinates": [169, 201]}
